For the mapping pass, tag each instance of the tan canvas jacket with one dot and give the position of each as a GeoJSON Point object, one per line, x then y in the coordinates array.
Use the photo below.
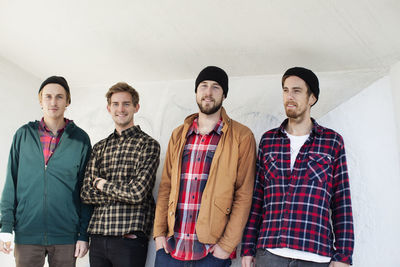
{"type": "Point", "coordinates": [226, 200]}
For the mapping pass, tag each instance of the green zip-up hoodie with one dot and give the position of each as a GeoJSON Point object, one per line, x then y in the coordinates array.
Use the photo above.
{"type": "Point", "coordinates": [41, 203]}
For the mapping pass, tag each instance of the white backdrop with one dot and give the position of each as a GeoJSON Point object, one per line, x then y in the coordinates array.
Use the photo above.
{"type": "Point", "coordinates": [366, 121]}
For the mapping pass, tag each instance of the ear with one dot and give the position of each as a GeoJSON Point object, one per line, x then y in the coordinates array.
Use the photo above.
{"type": "Point", "coordinates": [137, 107]}
{"type": "Point", "coordinates": [40, 100]}
{"type": "Point", "coordinates": [108, 108]}
{"type": "Point", "coordinates": [312, 99]}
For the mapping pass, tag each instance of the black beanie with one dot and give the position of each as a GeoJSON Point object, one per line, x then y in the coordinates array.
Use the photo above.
{"type": "Point", "coordinates": [216, 74]}
{"type": "Point", "coordinates": [58, 80]}
{"type": "Point", "coordinates": [306, 75]}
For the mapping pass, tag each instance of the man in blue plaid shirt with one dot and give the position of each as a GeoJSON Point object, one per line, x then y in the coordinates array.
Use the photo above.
{"type": "Point", "coordinates": [301, 213]}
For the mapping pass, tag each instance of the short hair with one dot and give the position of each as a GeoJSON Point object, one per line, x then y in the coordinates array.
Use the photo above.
{"type": "Point", "coordinates": [67, 93]}
{"type": "Point", "coordinates": [123, 87]}
{"type": "Point", "coordinates": [309, 92]}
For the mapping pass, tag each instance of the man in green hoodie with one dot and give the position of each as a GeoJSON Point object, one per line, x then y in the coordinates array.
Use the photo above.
{"type": "Point", "coordinates": [40, 200]}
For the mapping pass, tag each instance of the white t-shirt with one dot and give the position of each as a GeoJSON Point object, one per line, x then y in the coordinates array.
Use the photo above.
{"type": "Point", "coordinates": [296, 142]}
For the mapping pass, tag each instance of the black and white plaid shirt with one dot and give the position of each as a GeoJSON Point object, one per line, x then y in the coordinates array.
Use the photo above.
{"type": "Point", "coordinates": [129, 163]}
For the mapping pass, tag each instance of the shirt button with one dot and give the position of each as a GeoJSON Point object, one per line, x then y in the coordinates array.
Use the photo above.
{"type": "Point", "coordinates": [193, 197]}
{"type": "Point", "coordinates": [198, 159]}
{"type": "Point", "coordinates": [195, 178]}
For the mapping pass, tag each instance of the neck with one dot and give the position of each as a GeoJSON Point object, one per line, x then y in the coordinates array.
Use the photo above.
{"type": "Point", "coordinates": [207, 122]}
{"type": "Point", "coordinates": [54, 124]}
{"type": "Point", "coordinates": [299, 127]}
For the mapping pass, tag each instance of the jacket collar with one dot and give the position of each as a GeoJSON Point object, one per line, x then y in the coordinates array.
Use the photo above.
{"type": "Point", "coordinates": [225, 120]}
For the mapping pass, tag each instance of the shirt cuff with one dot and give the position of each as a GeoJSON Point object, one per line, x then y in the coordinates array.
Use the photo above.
{"type": "Point", "coordinates": [6, 237]}
{"type": "Point", "coordinates": [343, 258]}
{"type": "Point", "coordinates": [248, 252]}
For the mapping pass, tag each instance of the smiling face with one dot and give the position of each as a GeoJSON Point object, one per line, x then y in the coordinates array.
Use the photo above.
{"type": "Point", "coordinates": [122, 109]}
{"type": "Point", "coordinates": [209, 97]}
{"type": "Point", "coordinates": [297, 99]}
{"type": "Point", "coordinates": [53, 100]}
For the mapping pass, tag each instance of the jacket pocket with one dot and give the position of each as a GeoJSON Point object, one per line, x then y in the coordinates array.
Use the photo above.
{"type": "Point", "coordinates": [319, 167]}
{"type": "Point", "coordinates": [220, 215]}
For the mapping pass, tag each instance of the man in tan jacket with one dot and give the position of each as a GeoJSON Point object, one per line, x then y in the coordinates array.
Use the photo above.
{"type": "Point", "coordinates": [207, 182]}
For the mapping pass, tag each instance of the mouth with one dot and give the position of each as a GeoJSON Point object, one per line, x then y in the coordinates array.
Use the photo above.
{"type": "Point", "coordinates": [208, 100]}
{"type": "Point", "coordinates": [291, 105]}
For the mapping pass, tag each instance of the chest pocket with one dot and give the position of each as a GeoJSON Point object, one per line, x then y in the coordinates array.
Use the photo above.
{"type": "Point", "coordinates": [319, 167]}
{"type": "Point", "coordinates": [271, 167]}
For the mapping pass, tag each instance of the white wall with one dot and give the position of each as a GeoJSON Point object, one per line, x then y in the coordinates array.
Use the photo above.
{"type": "Point", "coordinates": [395, 82]}
{"type": "Point", "coordinates": [366, 122]}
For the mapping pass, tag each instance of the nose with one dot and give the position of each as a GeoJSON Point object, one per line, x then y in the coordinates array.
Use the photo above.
{"type": "Point", "coordinates": [290, 95]}
{"type": "Point", "coordinates": [121, 108]}
{"type": "Point", "coordinates": [53, 101]}
{"type": "Point", "coordinates": [207, 90]}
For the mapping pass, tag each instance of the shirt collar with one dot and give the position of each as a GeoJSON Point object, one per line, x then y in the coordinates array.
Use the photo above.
{"type": "Point", "coordinates": [128, 132]}
{"type": "Point", "coordinates": [316, 129]}
{"type": "Point", "coordinates": [44, 127]}
{"type": "Point", "coordinates": [194, 128]}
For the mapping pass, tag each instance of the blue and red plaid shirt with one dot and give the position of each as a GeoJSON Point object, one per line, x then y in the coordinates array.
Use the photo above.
{"type": "Point", "coordinates": [196, 161]}
{"type": "Point", "coordinates": [49, 140]}
{"type": "Point", "coordinates": [291, 209]}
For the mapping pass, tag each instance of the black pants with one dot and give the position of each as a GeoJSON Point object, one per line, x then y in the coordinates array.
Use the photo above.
{"type": "Point", "coordinates": [111, 251]}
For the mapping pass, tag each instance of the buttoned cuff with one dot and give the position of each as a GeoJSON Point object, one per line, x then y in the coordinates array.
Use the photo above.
{"type": "Point", "coordinates": [343, 258]}
{"type": "Point", "coordinates": [248, 252]}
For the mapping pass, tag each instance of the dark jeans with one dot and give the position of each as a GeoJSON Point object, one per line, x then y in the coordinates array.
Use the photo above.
{"type": "Point", "coordinates": [111, 251]}
{"type": "Point", "coordinates": [165, 260]}
{"type": "Point", "coordinates": [264, 258]}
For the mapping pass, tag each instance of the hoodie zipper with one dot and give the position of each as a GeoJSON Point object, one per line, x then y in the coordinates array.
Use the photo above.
{"type": "Point", "coordinates": [45, 188]}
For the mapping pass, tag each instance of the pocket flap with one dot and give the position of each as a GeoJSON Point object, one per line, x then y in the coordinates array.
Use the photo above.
{"type": "Point", "coordinates": [223, 204]}
{"type": "Point", "coordinates": [321, 159]}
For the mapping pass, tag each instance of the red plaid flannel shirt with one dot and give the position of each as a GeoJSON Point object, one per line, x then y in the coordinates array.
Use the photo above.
{"type": "Point", "coordinates": [196, 161]}
{"type": "Point", "coordinates": [49, 140]}
{"type": "Point", "coordinates": [306, 209]}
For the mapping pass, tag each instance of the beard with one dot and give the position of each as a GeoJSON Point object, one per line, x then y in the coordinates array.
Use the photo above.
{"type": "Point", "coordinates": [209, 109]}
{"type": "Point", "coordinates": [294, 113]}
